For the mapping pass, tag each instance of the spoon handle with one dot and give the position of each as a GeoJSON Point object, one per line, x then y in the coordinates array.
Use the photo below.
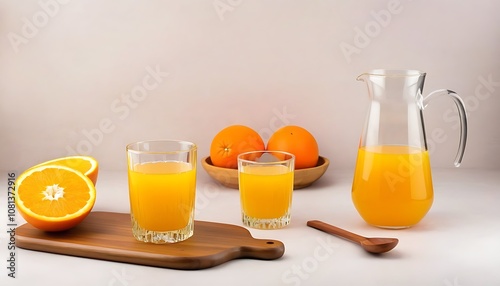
{"type": "Point", "coordinates": [328, 228]}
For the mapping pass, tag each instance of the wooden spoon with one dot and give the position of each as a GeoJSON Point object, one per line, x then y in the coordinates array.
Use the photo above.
{"type": "Point", "coordinates": [372, 245]}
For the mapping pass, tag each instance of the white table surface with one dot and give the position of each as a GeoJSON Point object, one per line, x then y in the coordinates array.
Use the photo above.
{"type": "Point", "coordinates": [457, 243]}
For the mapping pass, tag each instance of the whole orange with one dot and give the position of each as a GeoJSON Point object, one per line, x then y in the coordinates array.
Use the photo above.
{"type": "Point", "coordinates": [232, 141]}
{"type": "Point", "coordinates": [298, 141]}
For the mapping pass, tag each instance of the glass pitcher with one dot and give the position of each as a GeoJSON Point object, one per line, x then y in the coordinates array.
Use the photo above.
{"type": "Point", "coordinates": [392, 185]}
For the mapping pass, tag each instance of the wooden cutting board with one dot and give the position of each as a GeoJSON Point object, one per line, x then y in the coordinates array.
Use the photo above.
{"type": "Point", "coordinates": [108, 236]}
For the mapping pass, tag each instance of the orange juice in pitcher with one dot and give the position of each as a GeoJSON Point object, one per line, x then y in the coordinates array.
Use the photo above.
{"type": "Point", "coordinates": [392, 185]}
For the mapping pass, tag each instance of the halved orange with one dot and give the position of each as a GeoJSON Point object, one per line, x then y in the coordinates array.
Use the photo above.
{"type": "Point", "coordinates": [85, 164]}
{"type": "Point", "coordinates": [54, 198]}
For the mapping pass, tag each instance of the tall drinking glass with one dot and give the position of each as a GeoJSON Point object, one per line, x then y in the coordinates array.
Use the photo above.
{"type": "Point", "coordinates": [162, 188]}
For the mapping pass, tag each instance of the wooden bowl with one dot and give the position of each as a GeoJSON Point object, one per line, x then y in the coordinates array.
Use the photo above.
{"type": "Point", "coordinates": [302, 177]}
{"type": "Point", "coordinates": [305, 177]}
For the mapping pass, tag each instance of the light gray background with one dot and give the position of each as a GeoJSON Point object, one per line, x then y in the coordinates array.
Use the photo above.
{"type": "Point", "coordinates": [68, 67]}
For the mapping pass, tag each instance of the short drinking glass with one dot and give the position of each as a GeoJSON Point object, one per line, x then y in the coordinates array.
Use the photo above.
{"type": "Point", "coordinates": [266, 187]}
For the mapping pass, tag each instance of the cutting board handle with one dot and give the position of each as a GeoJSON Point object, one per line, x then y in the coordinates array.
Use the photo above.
{"type": "Point", "coordinates": [262, 249]}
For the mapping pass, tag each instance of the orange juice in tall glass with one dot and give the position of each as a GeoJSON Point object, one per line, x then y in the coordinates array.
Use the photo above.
{"type": "Point", "coordinates": [162, 187]}
{"type": "Point", "coordinates": [160, 190]}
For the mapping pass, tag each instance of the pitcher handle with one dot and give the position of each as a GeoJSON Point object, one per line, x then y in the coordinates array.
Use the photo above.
{"type": "Point", "coordinates": [461, 114]}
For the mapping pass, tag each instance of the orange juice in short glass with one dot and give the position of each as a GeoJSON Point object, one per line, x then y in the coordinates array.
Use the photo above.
{"type": "Point", "coordinates": [162, 187]}
{"type": "Point", "coordinates": [266, 188]}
